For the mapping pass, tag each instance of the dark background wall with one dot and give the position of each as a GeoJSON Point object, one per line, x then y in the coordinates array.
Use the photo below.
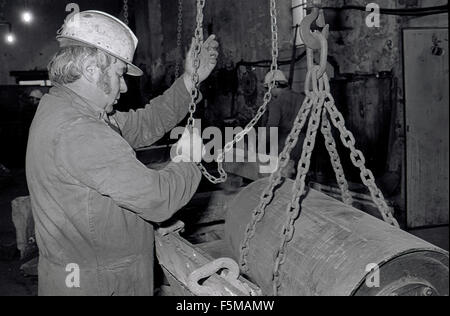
{"type": "Point", "coordinates": [35, 43]}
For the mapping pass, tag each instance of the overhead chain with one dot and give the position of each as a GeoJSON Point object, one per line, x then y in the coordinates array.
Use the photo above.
{"type": "Point", "coordinates": [275, 180]}
{"type": "Point", "coordinates": [125, 12]}
{"type": "Point", "coordinates": [326, 103]}
{"type": "Point", "coordinates": [318, 96]}
{"type": "Point", "coordinates": [299, 188]}
{"type": "Point", "coordinates": [197, 48]}
{"type": "Point", "coordinates": [330, 144]}
{"type": "Point", "coordinates": [347, 139]}
{"type": "Point", "coordinates": [179, 39]}
{"type": "Point", "coordinates": [267, 97]}
{"type": "Point", "coordinates": [198, 41]}
{"type": "Point", "coordinates": [359, 161]}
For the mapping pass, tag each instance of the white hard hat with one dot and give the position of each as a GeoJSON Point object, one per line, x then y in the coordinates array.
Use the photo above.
{"type": "Point", "coordinates": [103, 31]}
{"type": "Point", "coordinates": [36, 94]}
{"type": "Point", "coordinates": [278, 75]}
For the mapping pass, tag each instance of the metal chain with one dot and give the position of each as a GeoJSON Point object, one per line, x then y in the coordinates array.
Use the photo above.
{"type": "Point", "coordinates": [330, 144]}
{"type": "Point", "coordinates": [261, 111]}
{"type": "Point", "coordinates": [326, 103]}
{"type": "Point", "coordinates": [359, 161]}
{"type": "Point", "coordinates": [298, 190]}
{"type": "Point", "coordinates": [275, 180]}
{"type": "Point", "coordinates": [318, 94]}
{"type": "Point", "coordinates": [179, 39]}
{"type": "Point", "coordinates": [125, 12]}
{"type": "Point", "coordinates": [223, 176]}
{"type": "Point", "coordinates": [198, 40]}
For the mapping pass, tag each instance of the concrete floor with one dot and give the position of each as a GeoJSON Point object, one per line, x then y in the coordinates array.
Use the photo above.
{"type": "Point", "coordinates": [13, 283]}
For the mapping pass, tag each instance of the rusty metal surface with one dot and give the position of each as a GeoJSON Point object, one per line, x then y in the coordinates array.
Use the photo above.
{"type": "Point", "coordinates": [332, 247]}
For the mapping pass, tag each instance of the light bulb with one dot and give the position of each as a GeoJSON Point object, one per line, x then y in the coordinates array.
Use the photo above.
{"type": "Point", "coordinates": [27, 17]}
{"type": "Point", "coordinates": [10, 38]}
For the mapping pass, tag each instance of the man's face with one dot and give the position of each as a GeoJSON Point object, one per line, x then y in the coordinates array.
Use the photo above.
{"type": "Point", "coordinates": [277, 91]}
{"type": "Point", "coordinates": [35, 101]}
{"type": "Point", "coordinates": [112, 83]}
{"type": "Point", "coordinates": [280, 88]}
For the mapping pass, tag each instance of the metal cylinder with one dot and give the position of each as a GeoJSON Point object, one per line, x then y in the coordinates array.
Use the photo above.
{"type": "Point", "coordinates": [336, 250]}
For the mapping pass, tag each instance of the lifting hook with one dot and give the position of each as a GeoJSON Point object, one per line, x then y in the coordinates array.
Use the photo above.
{"type": "Point", "coordinates": [317, 16]}
{"type": "Point", "coordinates": [316, 40]}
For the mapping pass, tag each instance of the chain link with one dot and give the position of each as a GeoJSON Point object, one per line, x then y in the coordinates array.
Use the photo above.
{"type": "Point", "coordinates": [326, 103]}
{"type": "Point", "coordinates": [267, 97]}
{"type": "Point", "coordinates": [179, 39]}
{"type": "Point", "coordinates": [198, 40]}
{"type": "Point", "coordinates": [125, 12]}
{"type": "Point", "coordinates": [298, 190]}
{"type": "Point", "coordinates": [359, 161]}
{"type": "Point", "coordinates": [321, 101]}
{"type": "Point", "coordinates": [275, 180]}
{"type": "Point", "coordinates": [330, 144]}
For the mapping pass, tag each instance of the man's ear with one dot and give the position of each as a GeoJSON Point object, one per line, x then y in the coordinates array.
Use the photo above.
{"type": "Point", "coordinates": [91, 71]}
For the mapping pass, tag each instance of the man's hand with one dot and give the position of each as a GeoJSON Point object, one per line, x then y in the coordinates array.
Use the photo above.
{"type": "Point", "coordinates": [208, 61]}
{"type": "Point", "coordinates": [190, 148]}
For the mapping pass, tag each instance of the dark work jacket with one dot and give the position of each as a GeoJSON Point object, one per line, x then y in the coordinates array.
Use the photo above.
{"type": "Point", "coordinates": [93, 200]}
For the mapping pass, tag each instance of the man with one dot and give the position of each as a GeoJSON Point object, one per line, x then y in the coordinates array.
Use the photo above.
{"type": "Point", "coordinates": [36, 96]}
{"type": "Point", "coordinates": [283, 110]}
{"type": "Point", "coordinates": [29, 110]}
{"type": "Point", "coordinates": [92, 200]}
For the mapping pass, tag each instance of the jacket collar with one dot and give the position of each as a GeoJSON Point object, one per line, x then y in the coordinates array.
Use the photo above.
{"type": "Point", "coordinates": [78, 101]}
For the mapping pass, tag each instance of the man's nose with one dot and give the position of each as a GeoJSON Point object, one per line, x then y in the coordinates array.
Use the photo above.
{"type": "Point", "coordinates": [123, 86]}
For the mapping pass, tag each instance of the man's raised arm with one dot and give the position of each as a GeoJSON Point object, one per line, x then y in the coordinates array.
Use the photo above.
{"type": "Point", "coordinates": [144, 127]}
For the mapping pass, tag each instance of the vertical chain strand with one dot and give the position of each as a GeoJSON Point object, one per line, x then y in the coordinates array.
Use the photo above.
{"type": "Point", "coordinates": [261, 111]}
{"type": "Point", "coordinates": [299, 188]}
{"type": "Point", "coordinates": [358, 160]}
{"type": "Point", "coordinates": [318, 96]}
{"type": "Point", "coordinates": [179, 53]}
{"type": "Point", "coordinates": [198, 41]}
{"type": "Point", "coordinates": [330, 144]}
{"type": "Point", "coordinates": [275, 180]}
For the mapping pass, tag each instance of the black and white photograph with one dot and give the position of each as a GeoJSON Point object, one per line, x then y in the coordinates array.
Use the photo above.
{"type": "Point", "coordinates": [225, 154]}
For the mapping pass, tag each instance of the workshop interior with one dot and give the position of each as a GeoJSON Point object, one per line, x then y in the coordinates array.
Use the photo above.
{"type": "Point", "coordinates": [356, 202]}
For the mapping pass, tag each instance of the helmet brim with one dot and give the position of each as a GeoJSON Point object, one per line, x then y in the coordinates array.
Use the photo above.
{"type": "Point", "coordinates": [67, 41]}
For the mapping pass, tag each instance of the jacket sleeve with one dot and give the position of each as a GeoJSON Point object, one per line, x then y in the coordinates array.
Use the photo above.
{"type": "Point", "coordinates": [96, 157]}
{"type": "Point", "coordinates": [146, 126]}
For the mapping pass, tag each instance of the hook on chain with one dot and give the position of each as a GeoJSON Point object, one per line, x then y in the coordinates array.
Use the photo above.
{"type": "Point", "coordinates": [317, 40]}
